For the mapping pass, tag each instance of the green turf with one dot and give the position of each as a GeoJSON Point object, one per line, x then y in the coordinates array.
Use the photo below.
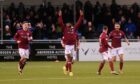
{"type": "Point", "coordinates": [51, 73]}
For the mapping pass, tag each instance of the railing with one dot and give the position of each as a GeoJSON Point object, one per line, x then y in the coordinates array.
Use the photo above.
{"type": "Point", "coordinates": [58, 41]}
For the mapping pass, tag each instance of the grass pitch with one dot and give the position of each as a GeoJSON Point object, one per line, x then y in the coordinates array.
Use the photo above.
{"type": "Point", "coordinates": [52, 73]}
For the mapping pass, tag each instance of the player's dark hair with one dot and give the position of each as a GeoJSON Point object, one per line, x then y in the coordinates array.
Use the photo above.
{"type": "Point", "coordinates": [25, 22]}
{"type": "Point", "coordinates": [117, 23]}
{"type": "Point", "coordinates": [105, 27]}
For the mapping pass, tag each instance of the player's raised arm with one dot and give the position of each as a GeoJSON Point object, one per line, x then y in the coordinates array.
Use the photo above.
{"type": "Point", "coordinates": [79, 20]}
{"type": "Point", "coordinates": [60, 20]}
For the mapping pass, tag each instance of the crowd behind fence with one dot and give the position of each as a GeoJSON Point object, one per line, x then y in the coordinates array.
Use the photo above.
{"type": "Point", "coordinates": [43, 22]}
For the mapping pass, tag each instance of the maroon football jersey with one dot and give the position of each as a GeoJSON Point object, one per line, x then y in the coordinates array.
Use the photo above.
{"type": "Point", "coordinates": [104, 43]}
{"type": "Point", "coordinates": [116, 37]}
{"type": "Point", "coordinates": [23, 36]}
{"type": "Point", "coordinates": [64, 40]}
{"type": "Point", "coordinates": [69, 33]}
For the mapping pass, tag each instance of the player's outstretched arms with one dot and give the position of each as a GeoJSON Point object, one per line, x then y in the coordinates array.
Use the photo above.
{"type": "Point", "coordinates": [79, 20]}
{"type": "Point", "coordinates": [81, 13]}
{"type": "Point", "coordinates": [60, 20]}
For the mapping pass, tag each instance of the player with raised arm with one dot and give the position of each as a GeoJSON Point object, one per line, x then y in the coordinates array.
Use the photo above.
{"type": "Point", "coordinates": [116, 35]}
{"type": "Point", "coordinates": [76, 47]}
{"type": "Point", "coordinates": [70, 40]}
{"type": "Point", "coordinates": [103, 41]}
{"type": "Point", "coordinates": [23, 37]}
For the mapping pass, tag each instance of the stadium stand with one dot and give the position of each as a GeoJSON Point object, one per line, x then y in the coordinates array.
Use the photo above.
{"type": "Point", "coordinates": [44, 24]}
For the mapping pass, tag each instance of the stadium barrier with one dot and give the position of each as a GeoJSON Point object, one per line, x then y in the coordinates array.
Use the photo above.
{"type": "Point", "coordinates": [40, 50]}
{"type": "Point", "coordinates": [89, 51]}
{"type": "Point", "coordinates": [51, 50]}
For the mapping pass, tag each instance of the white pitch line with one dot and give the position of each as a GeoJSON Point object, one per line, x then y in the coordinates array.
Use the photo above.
{"type": "Point", "coordinates": [64, 78]}
{"type": "Point", "coordinates": [56, 78]}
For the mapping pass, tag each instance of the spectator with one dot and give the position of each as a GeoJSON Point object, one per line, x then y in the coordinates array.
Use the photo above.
{"type": "Point", "coordinates": [113, 21]}
{"type": "Point", "coordinates": [12, 10]}
{"type": "Point", "coordinates": [79, 6]}
{"type": "Point", "coordinates": [58, 31]}
{"type": "Point", "coordinates": [7, 20]}
{"type": "Point", "coordinates": [18, 26]}
{"type": "Point", "coordinates": [97, 14]}
{"type": "Point", "coordinates": [31, 28]}
{"type": "Point", "coordinates": [28, 18]}
{"type": "Point", "coordinates": [123, 23]}
{"type": "Point", "coordinates": [90, 33]}
{"type": "Point", "coordinates": [130, 29]}
{"type": "Point", "coordinates": [67, 13]}
{"type": "Point", "coordinates": [7, 33]}
{"type": "Point", "coordinates": [88, 13]}
{"type": "Point", "coordinates": [46, 15]}
{"type": "Point", "coordinates": [114, 8]}
{"type": "Point", "coordinates": [39, 31]}
{"type": "Point", "coordinates": [50, 10]}
{"type": "Point", "coordinates": [138, 25]}
{"type": "Point", "coordinates": [21, 10]}
{"type": "Point", "coordinates": [108, 19]}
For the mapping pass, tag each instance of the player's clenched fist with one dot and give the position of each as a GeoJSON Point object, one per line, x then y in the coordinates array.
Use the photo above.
{"type": "Point", "coordinates": [81, 13]}
{"type": "Point", "coordinates": [60, 13]}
